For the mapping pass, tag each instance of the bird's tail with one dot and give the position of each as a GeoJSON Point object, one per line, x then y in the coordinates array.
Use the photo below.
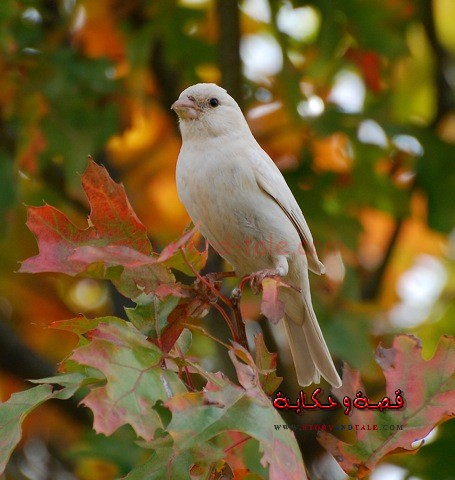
{"type": "Point", "coordinates": [309, 350]}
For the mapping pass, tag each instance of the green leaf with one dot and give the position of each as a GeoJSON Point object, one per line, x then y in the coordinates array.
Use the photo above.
{"type": "Point", "coordinates": [155, 468]}
{"type": "Point", "coordinates": [168, 462]}
{"type": "Point", "coordinates": [436, 176]}
{"type": "Point", "coordinates": [12, 414]}
{"type": "Point", "coordinates": [151, 313]}
{"type": "Point", "coordinates": [266, 364]}
{"type": "Point", "coordinates": [7, 191]}
{"type": "Point", "coordinates": [198, 417]}
{"type": "Point", "coordinates": [135, 379]}
{"type": "Point", "coordinates": [431, 462]}
{"type": "Point", "coordinates": [71, 381]}
{"type": "Point", "coordinates": [80, 117]}
{"type": "Point", "coordinates": [183, 255]}
{"type": "Point", "coordinates": [375, 26]}
{"type": "Point", "coordinates": [19, 405]}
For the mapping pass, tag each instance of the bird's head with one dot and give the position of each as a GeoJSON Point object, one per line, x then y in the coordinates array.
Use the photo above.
{"type": "Point", "coordinates": [207, 110]}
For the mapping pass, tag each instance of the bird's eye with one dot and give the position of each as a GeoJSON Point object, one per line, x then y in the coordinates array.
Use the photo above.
{"type": "Point", "coordinates": [214, 102]}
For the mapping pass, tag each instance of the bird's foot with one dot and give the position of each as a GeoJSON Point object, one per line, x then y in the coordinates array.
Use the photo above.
{"type": "Point", "coordinates": [257, 278]}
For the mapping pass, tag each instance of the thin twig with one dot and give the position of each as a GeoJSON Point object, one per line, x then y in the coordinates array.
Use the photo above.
{"type": "Point", "coordinates": [373, 284]}
{"type": "Point", "coordinates": [233, 330]}
{"type": "Point", "coordinates": [207, 334]}
{"type": "Point", "coordinates": [185, 368]}
{"type": "Point", "coordinates": [235, 300]}
{"type": "Point", "coordinates": [205, 282]}
{"type": "Point", "coordinates": [239, 333]}
{"type": "Point", "coordinates": [246, 279]}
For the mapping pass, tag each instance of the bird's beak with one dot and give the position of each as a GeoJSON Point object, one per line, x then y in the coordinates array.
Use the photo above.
{"type": "Point", "coordinates": [186, 108]}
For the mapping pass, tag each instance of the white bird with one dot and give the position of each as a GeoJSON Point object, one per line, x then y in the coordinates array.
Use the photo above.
{"type": "Point", "coordinates": [245, 209]}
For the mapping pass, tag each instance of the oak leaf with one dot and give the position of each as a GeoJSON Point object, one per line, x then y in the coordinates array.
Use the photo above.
{"type": "Point", "coordinates": [428, 388]}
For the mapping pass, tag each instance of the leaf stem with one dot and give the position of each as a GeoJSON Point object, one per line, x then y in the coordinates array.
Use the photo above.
{"type": "Point", "coordinates": [236, 444]}
{"type": "Point", "coordinates": [205, 282]}
{"type": "Point", "coordinates": [201, 330]}
{"type": "Point", "coordinates": [185, 368]}
{"type": "Point", "coordinates": [235, 302]}
{"type": "Point", "coordinates": [231, 326]}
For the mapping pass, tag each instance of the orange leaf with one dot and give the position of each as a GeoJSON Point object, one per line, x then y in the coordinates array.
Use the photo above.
{"type": "Point", "coordinates": [332, 154]}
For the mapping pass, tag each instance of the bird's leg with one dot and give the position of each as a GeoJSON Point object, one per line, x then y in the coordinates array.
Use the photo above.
{"type": "Point", "coordinates": [257, 278]}
{"type": "Point", "coordinates": [281, 270]}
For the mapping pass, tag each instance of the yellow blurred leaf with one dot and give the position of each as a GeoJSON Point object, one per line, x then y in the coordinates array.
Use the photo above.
{"type": "Point", "coordinates": [332, 154]}
{"type": "Point", "coordinates": [95, 29]}
{"type": "Point", "coordinates": [96, 469]}
{"type": "Point", "coordinates": [148, 127]}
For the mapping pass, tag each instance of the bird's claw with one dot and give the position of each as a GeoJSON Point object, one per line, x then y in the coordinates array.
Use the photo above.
{"type": "Point", "coordinates": [257, 278]}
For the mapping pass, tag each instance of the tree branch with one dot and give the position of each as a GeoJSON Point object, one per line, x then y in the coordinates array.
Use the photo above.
{"type": "Point", "coordinates": [444, 94]}
{"type": "Point", "coordinates": [167, 78]}
{"type": "Point", "coordinates": [371, 287]}
{"type": "Point", "coordinates": [229, 47]}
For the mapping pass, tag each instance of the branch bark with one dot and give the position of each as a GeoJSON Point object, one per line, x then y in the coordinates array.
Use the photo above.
{"type": "Point", "coordinates": [167, 78]}
{"type": "Point", "coordinates": [444, 94]}
{"type": "Point", "coordinates": [229, 47]}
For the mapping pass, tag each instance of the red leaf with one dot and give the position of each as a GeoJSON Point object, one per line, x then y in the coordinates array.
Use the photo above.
{"type": "Point", "coordinates": [114, 245]}
{"type": "Point", "coordinates": [172, 331]}
{"type": "Point", "coordinates": [111, 213]}
{"type": "Point", "coordinates": [114, 238]}
{"type": "Point", "coordinates": [140, 274]}
{"type": "Point", "coordinates": [428, 388]}
{"type": "Point", "coordinates": [369, 63]}
{"type": "Point", "coordinates": [271, 306]}
{"type": "Point", "coordinates": [111, 222]}
{"type": "Point", "coordinates": [110, 255]}
{"type": "Point", "coordinates": [176, 320]}
{"type": "Point", "coordinates": [247, 372]}
{"type": "Point", "coordinates": [183, 255]}
{"type": "Point", "coordinates": [57, 238]}
{"type": "Point", "coordinates": [178, 244]}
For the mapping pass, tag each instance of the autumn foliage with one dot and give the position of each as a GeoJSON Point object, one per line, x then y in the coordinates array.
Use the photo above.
{"type": "Point", "coordinates": [138, 372]}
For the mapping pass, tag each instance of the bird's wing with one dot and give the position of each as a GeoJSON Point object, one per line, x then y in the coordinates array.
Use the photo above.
{"type": "Point", "coordinates": [272, 182]}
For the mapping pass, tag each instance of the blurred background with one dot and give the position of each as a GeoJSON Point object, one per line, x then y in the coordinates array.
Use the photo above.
{"type": "Point", "coordinates": [353, 99]}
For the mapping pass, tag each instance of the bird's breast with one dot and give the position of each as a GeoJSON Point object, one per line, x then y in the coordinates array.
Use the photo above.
{"type": "Point", "coordinates": [242, 223]}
